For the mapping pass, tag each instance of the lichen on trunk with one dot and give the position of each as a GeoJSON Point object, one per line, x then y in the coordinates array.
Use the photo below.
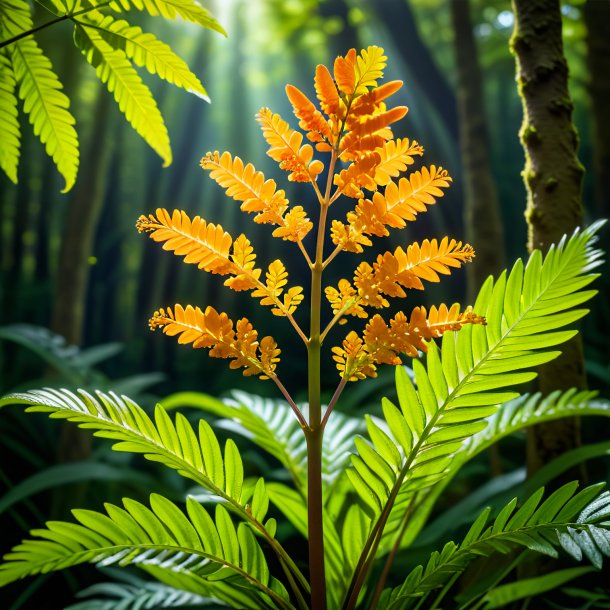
{"type": "Point", "coordinates": [553, 179]}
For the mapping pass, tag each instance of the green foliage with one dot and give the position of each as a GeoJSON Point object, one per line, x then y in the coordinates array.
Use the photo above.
{"type": "Point", "coordinates": [191, 542]}
{"type": "Point", "coordinates": [134, 593]}
{"type": "Point", "coordinates": [110, 46]}
{"type": "Point", "coordinates": [379, 491]}
{"type": "Point", "coordinates": [538, 526]}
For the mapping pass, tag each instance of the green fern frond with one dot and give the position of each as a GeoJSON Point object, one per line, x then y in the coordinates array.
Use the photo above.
{"type": "Point", "coordinates": [10, 132]}
{"type": "Point", "coordinates": [195, 455]}
{"type": "Point", "coordinates": [538, 526]}
{"type": "Point", "coordinates": [189, 10]}
{"type": "Point", "coordinates": [133, 97]}
{"type": "Point", "coordinates": [464, 382]}
{"type": "Point", "coordinates": [40, 90]}
{"type": "Point", "coordinates": [162, 535]}
{"type": "Point", "coordinates": [529, 410]}
{"type": "Point", "coordinates": [145, 50]}
{"type": "Point", "coordinates": [234, 597]}
{"type": "Point", "coordinates": [515, 415]}
{"type": "Point", "coordinates": [270, 424]}
{"type": "Point", "coordinates": [132, 593]}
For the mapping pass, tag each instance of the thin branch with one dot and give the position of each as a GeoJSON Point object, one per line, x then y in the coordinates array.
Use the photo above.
{"type": "Point", "coordinates": [307, 257]}
{"type": "Point", "coordinates": [42, 26]}
{"type": "Point", "coordinates": [338, 315]}
{"type": "Point", "coordinates": [332, 255]}
{"type": "Point", "coordinates": [333, 401]}
{"type": "Point", "coordinates": [289, 399]}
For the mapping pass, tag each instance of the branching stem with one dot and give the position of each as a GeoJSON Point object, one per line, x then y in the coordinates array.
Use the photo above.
{"type": "Point", "coordinates": [42, 26]}
{"type": "Point", "coordinates": [290, 401]}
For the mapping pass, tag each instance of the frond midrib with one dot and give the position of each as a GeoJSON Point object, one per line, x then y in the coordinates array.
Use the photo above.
{"type": "Point", "coordinates": [83, 556]}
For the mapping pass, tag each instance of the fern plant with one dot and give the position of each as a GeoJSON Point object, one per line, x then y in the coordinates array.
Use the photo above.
{"type": "Point", "coordinates": [112, 46]}
{"type": "Point", "coordinates": [361, 490]}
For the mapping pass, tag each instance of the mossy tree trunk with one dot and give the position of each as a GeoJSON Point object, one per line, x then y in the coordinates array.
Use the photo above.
{"type": "Point", "coordinates": [553, 178]}
{"type": "Point", "coordinates": [481, 206]}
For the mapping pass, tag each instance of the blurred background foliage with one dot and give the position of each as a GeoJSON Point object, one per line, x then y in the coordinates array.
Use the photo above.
{"type": "Point", "coordinates": [270, 43]}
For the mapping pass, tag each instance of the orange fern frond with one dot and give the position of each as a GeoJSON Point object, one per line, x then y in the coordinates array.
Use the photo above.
{"type": "Point", "coordinates": [370, 102]}
{"type": "Point", "coordinates": [295, 225]}
{"type": "Point", "coordinates": [348, 237]}
{"type": "Point", "coordinates": [369, 67]}
{"type": "Point", "coordinates": [353, 361]}
{"type": "Point", "coordinates": [291, 299]}
{"type": "Point", "coordinates": [244, 183]}
{"type": "Point", "coordinates": [345, 72]}
{"type": "Point", "coordinates": [400, 203]}
{"type": "Point", "coordinates": [359, 174]}
{"type": "Point", "coordinates": [203, 244]}
{"type": "Point", "coordinates": [311, 119]}
{"type": "Point", "coordinates": [345, 301]}
{"type": "Point", "coordinates": [395, 156]}
{"type": "Point", "coordinates": [214, 330]}
{"type": "Point", "coordinates": [354, 74]}
{"type": "Point", "coordinates": [243, 256]}
{"type": "Point", "coordinates": [384, 342]}
{"type": "Point", "coordinates": [270, 292]}
{"type": "Point", "coordinates": [431, 258]}
{"type": "Point", "coordinates": [367, 284]}
{"type": "Point", "coordinates": [327, 93]}
{"type": "Point", "coordinates": [275, 280]}
{"type": "Point", "coordinates": [285, 148]}
{"type": "Point", "coordinates": [442, 319]}
{"type": "Point", "coordinates": [371, 124]}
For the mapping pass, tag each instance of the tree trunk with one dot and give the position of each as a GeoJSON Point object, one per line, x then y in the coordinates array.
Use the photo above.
{"type": "Point", "coordinates": [553, 178]}
{"type": "Point", "coordinates": [76, 247]}
{"type": "Point", "coordinates": [398, 18]}
{"type": "Point", "coordinates": [481, 206]}
{"type": "Point", "coordinates": [482, 220]}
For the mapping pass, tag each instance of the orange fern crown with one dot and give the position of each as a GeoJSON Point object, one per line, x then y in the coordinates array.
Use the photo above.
{"type": "Point", "coordinates": [352, 126]}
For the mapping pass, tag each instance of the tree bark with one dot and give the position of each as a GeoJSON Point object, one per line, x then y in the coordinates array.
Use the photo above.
{"type": "Point", "coordinates": [553, 179]}
{"type": "Point", "coordinates": [482, 220]}
{"type": "Point", "coordinates": [76, 247]}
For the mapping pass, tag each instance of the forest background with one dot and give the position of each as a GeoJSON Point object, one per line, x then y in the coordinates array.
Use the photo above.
{"type": "Point", "coordinates": [55, 331]}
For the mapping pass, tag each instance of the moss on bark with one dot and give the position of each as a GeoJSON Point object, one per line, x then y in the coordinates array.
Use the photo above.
{"type": "Point", "coordinates": [553, 179]}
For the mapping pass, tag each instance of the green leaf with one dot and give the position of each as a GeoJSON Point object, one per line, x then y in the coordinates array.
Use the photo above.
{"type": "Point", "coordinates": [485, 359]}
{"type": "Point", "coordinates": [10, 132]}
{"type": "Point", "coordinates": [531, 587]}
{"type": "Point", "coordinates": [133, 97]}
{"type": "Point", "coordinates": [272, 426]}
{"type": "Point", "coordinates": [534, 526]}
{"type": "Point", "coordinates": [146, 50]}
{"type": "Point", "coordinates": [40, 90]}
{"type": "Point", "coordinates": [133, 593]}
{"type": "Point", "coordinates": [189, 10]}
{"type": "Point", "coordinates": [173, 444]}
{"type": "Point", "coordinates": [64, 474]}
{"type": "Point", "coordinates": [161, 536]}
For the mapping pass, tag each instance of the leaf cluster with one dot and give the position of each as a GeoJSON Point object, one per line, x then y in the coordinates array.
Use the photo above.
{"type": "Point", "coordinates": [114, 48]}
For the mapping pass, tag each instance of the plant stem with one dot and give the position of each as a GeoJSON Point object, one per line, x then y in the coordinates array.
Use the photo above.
{"type": "Point", "coordinates": [290, 401]}
{"type": "Point", "coordinates": [314, 433]}
{"type": "Point", "coordinates": [42, 26]}
{"type": "Point", "coordinates": [391, 557]}
{"type": "Point", "coordinates": [333, 401]}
